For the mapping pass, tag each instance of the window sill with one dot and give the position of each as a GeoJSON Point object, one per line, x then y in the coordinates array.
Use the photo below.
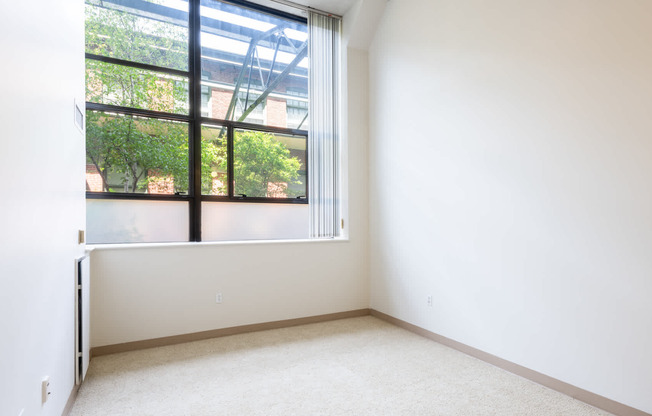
{"type": "Point", "coordinates": [123, 246]}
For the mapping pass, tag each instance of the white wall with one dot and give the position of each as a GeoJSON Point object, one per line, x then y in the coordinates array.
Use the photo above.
{"type": "Point", "coordinates": [154, 292]}
{"type": "Point", "coordinates": [510, 166]}
{"type": "Point", "coordinates": [42, 202]}
{"type": "Point", "coordinates": [148, 292]}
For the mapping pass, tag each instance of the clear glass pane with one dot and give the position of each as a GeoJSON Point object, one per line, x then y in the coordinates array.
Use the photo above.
{"type": "Point", "coordinates": [153, 32]}
{"type": "Point", "coordinates": [213, 161]}
{"type": "Point", "coordinates": [136, 221]}
{"type": "Point", "coordinates": [269, 165]}
{"type": "Point", "coordinates": [254, 66]}
{"type": "Point", "coordinates": [297, 108]}
{"type": "Point", "coordinates": [223, 221]}
{"type": "Point", "coordinates": [135, 154]}
{"type": "Point", "coordinates": [136, 88]}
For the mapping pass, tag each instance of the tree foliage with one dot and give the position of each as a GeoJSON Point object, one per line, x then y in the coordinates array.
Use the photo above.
{"type": "Point", "coordinates": [120, 33]}
{"type": "Point", "coordinates": [137, 151]}
{"type": "Point", "coordinates": [262, 162]}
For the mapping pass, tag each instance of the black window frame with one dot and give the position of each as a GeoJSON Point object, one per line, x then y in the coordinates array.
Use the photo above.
{"type": "Point", "coordinates": [195, 121]}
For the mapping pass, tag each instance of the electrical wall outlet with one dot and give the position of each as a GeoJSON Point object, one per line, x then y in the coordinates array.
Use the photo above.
{"type": "Point", "coordinates": [218, 297]}
{"type": "Point", "coordinates": [430, 300]}
{"type": "Point", "coordinates": [46, 392]}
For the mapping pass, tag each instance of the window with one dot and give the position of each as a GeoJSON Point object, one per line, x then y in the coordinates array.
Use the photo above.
{"type": "Point", "coordinates": [133, 154]}
{"type": "Point", "coordinates": [191, 102]}
{"type": "Point", "coordinates": [297, 108]}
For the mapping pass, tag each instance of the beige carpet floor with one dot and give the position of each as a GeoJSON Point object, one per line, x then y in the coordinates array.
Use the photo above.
{"type": "Point", "coordinates": [360, 366]}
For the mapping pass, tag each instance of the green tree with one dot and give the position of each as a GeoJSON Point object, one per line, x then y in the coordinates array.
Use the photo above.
{"type": "Point", "coordinates": [262, 162]}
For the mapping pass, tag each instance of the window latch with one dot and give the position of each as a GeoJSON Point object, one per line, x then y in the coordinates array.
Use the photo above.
{"type": "Point", "coordinates": [301, 197]}
{"type": "Point", "coordinates": [241, 195]}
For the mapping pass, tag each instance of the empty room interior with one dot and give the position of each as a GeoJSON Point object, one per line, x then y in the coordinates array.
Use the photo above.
{"type": "Point", "coordinates": [364, 207]}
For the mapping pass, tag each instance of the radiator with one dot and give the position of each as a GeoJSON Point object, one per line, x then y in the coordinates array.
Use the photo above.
{"type": "Point", "coordinates": [82, 317]}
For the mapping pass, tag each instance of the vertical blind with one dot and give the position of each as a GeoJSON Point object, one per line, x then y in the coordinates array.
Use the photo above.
{"type": "Point", "coordinates": [323, 134]}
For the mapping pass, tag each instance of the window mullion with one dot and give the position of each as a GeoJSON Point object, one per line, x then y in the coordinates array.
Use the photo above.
{"type": "Point", "coordinates": [229, 160]}
{"type": "Point", "coordinates": [195, 125]}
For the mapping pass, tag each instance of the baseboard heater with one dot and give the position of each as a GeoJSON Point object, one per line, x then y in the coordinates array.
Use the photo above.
{"type": "Point", "coordinates": [82, 317]}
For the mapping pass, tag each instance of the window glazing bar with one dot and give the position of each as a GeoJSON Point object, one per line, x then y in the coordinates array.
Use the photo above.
{"type": "Point", "coordinates": [194, 148]}
{"type": "Point", "coordinates": [110, 108]}
{"type": "Point", "coordinates": [137, 195]}
{"type": "Point", "coordinates": [252, 126]}
{"type": "Point", "coordinates": [147, 67]}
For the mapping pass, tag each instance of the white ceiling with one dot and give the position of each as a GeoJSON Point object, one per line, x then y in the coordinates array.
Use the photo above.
{"type": "Point", "coordinates": [332, 6]}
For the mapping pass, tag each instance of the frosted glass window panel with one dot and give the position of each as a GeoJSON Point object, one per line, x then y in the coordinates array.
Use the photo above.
{"type": "Point", "coordinates": [242, 221]}
{"type": "Point", "coordinates": [124, 221]}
